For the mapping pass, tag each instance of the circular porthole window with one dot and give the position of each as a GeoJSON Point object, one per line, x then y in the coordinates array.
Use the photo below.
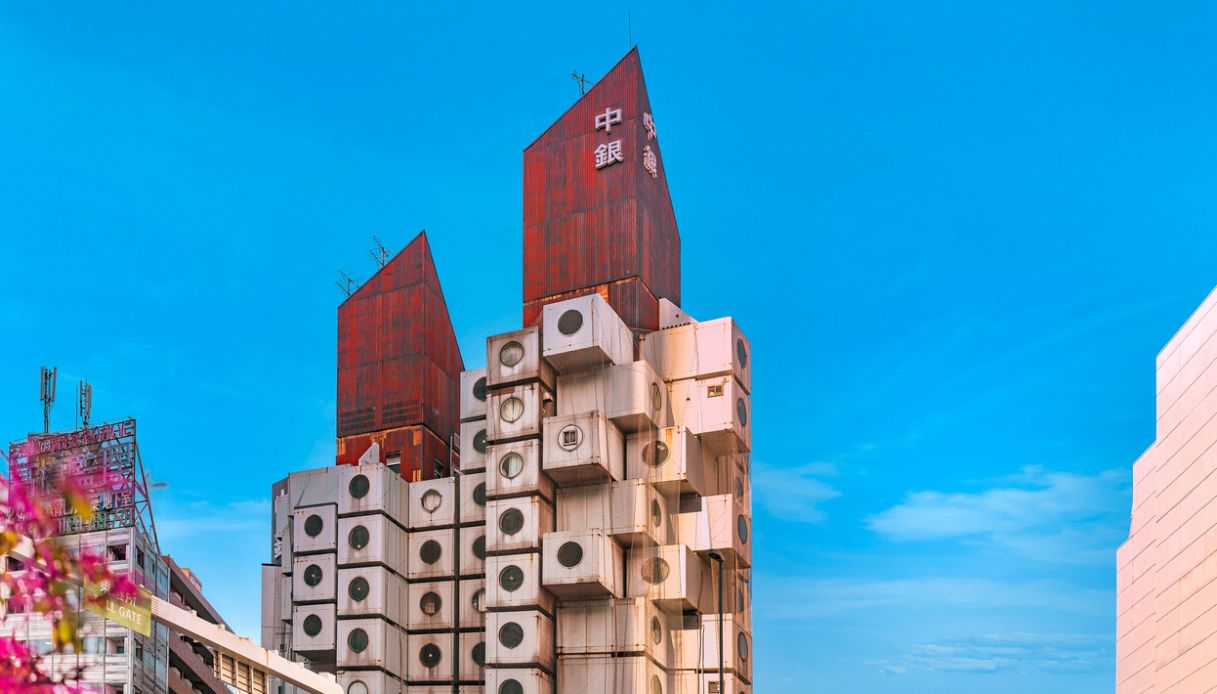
{"type": "Point", "coordinates": [741, 527]}
{"type": "Point", "coordinates": [479, 653]}
{"type": "Point", "coordinates": [357, 640]}
{"type": "Point", "coordinates": [570, 322]}
{"type": "Point", "coordinates": [358, 537]}
{"type": "Point", "coordinates": [312, 575]}
{"type": "Point", "coordinates": [656, 685]}
{"type": "Point", "coordinates": [511, 687]}
{"type": "Point", "coordinates": [656, 631]}
{"type": "Point", "coordinates": [655, 453]}
{"type": "Point", "coordinates": [479, 441]}
{"type": "Point", "coordinates": [655, 570]}
{"type": "Point", "coordinates": [739, 489]}
{"type": "Point", "coordinates": [512, 521]}
{"type": "Point", "coordinates": [742, 410]}
{"type": "Point", "coordinates": [570, 437]}
{"type": "Point", "coordinates": [430, 552]}
{"type": "Point", "coordinates": [511, 409]}
{"type": "Point", "coordinates": [511, 635]}
{"type": "Point", "coordinates": [479, 600]}
{"type": "Point", "coordinates": [429, 655]}
{"type": "Point", "coordinates": [570, 554]}
{"type": "Point", "coordinates": [479, 389]}
{"type": "Point", "coordinates": [741, 646]}
{"type": "Point", "coordinates": [511, 465]}
{"type": "Point", "coordinates": [430, 603]}
{"type": "Point", "coordinates": [741, 352]}
{"type": "Point", "coordinates": [656, 513]}
{"type": "Point", "coordinates": [358, 588]}
{"type": "Point", "coordinates": [313, 525]}
{"type": "Point", "coordinates": [431, 500]}
{"type": "Point", "coordinates": [479, 547]}
{"type": "Point", "coordinates": [359, 486]}
{"type": "Point", "coordinates": [656, 397]}
{"type": "Point", "coordinates": [479, 494]}
{"type": "Point", "coordinates": [741, 603]}
{"type": "Point", "coordinates": [511, 578]}
{"type": "Point", "coordinates": [511, 354]}
{"type": "Point", "coordinates": [312, 625]}
{"type": "Point", "coordinates": [357, 687]}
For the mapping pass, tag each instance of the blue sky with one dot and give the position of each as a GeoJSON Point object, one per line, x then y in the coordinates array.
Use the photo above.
{"type": "Point", "coordinates": [956, 233]}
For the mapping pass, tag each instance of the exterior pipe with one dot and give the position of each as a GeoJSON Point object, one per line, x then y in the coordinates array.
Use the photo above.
{"type": "Point", "coordinates": [722, 685]}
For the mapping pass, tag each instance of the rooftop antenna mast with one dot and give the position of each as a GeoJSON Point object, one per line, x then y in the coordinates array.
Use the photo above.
{"type": "Point", "coordinates": [47, 395]}
{"type": "Point", "coordinates": [380, 255]}
{"type": "Point", "coordinates": [581, 80]}
{"type": "Point", "coordinates": [85, 401]}
{"type": "Point", "coordinates": [346, 283]}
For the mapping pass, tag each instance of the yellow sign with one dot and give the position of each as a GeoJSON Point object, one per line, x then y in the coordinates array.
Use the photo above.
{"type": "Point", "coordinates": [134, 613]}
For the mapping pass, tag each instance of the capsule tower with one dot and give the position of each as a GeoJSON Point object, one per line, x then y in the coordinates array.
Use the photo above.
{"type": "Point", "coordinates": [586, 525]}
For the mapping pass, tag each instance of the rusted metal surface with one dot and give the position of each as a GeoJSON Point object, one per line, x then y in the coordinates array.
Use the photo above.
{"type": "Point", "coordinates": [630, 298]}
{"type": "Point", "coordinates": [417, 445]}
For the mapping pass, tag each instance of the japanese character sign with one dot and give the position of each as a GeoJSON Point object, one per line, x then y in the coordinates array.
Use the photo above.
{"type": "Point", "coordinates": [608, 154]}
{"type": "Point", "coordinates": [649, 123]}
{"type": "Point", "coordinates": [606, 120]}
{"type": "Point", "coordinates": [650, 162]}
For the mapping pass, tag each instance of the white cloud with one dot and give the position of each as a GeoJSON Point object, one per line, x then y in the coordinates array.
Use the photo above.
{"type": "Point", "coordinates": [177, 521]}
{"type": "Point", "coordinates": [1014, 651]}
{"type": "Point", "coordinates": [794, 493]}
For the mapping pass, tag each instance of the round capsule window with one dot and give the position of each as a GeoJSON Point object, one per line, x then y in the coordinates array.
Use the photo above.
{"type": "Point", "coordinates": [656, 685]}
{"type": "Point", "coordinates": [479, 494]}
{"type": "Point", "coordinates": [656, 397]}
{"type": "Point", "coordinates": [511, 634]}
{"type": "Point", "coordinates": [431, 500]}
{"type": "Point", "coordinates": [358, 538]}
{"type": "Point", "coordinates": [511, 521]}
{"type": "Point", "coordinates": [742, 410]}
{"type": "Point", "coordinates": [357, 640]}
{"type": "Point", "coordinates": [479, 441]}
{"type": "Point", "coordinates": [511, 465]}
{"type": "Point", "coordinates": [741, 646]}
{"type": "Point", "coordinates": [429, 655]}
{"type": "Point", "coordinates": [312, 575]}
{"type": "Point", "coordinates": [655, 453]}
{"type": "Point", "coordinates": [430, 552]}
{"type": "Point", "coordinates": [511, 578]}
{"type": "Point", "coordinates": [312, 625]}
{"type": "Point", "coordinates": [570, 437]}
{"type": "Point", "coordinates": [479, 389]}
{"type": "Point", "coordinates": [570, 322]}
{"type": "Point", "coordinates": [359, 486]}
{"type": "Point", "coordinates": [511, 354]}
{"type": "Point", "coordinates": [313, 525]}
{"type": "Point", "coordinates": [357, 687]}
{"type": "Point", "coordinates": [656, 631]}
{"type": "Point", "coordinates": [741, 527]}
{"type": "Point", "coordinates": [430, 603]}
{"type": "Point", "coordinates": [511, 409]}
{"type": "Point", "coordinates": [655, 570]}
{"type": "Point", "coordinates": [741, 352]}
{"type": "Point", "coordinates": [479, 600]}
{"type": "Point", "coordinates": [656, 513]}
{"type": "Point", "coordinates": [511, 687]}
{"type": "Point", "coordinates": [358, 588]}
{"type": "Point", "coordinates": [479, 547]}
{"type": "Point", "coordinates": [741, 603]}
{"type": "Point", "coordinates": [570, 554]}
{"type": "Point", "coordinates": [479, 653]}
{"type": "Point", "coordinates": [739, 489]}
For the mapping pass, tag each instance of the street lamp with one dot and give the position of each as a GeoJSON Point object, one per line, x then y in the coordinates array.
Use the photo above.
{"type": "Point", "coordinates": [722, 687]}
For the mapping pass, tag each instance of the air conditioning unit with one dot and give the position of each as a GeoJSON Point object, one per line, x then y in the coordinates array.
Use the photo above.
{"type": "Point", "coordinates": [694, 682]}
{"type": "Point", "coordinates": [314, 529]}
{"type": "Point", "coordinates": [716, 409]}
{"type": "Point", "coordinates": [370, 591]}
{"type": "Point", "coordinates": [369, 682]}
{"type": "Point", "coordinates": [372, 488]}
{"type": "Point", "coordinates": [515, 357]}
{"type": "Point", "coordinates": [371, 643]}
{"type": "Point", "coordinates": [517, 412]}
{"type": "Point", "coordinates": [582, 565]}
{"type": "Point", "coordinates": [431, 554]}
{"type": "Point", "coordinates": [632, 511]}
{"type": "Point", "coordinates": [723, 525]}
{"type": "Point", "coordinates": [429, 657]}
{"type": "Point", "coordinates": [737, 646]}
{"type": "Point", "coordinates": [597, 674]}
{"type": "Point", "coordinates": [519, 638]}
{"type": "Point", "coordinates": [372, 538]}
{"type": "Point", "coordinates": [671, 575]}
{"type": "Point", "coordinates": [473, 550]}
{"type": "Point", "coordinates": [313, 630]}
{"type": "Point", "coordinates": [473, 394]}
{"type": "Point", "coordinates": [517, 523]}
{"type": "Point", "coordinates": [313, 578]}
{"type": "Point", "coordinates": [432, 503]}
{"type": "Point", "coordinates": [581, 448]}
{"type": "Point", "coordinates": [631, 395]}
{"type": "Point", "coordinates": [473, 444]}
{"type": "Point", "coordinates": [473, 497]}
{"type": "Point", "coordinates": [606, 627]}
{"type": "Point", "coordinates": [514, 581]}
{"type": "Point", "coordinates": [584, 332]}
{"type": "Point", "coordinates": [670, 459]}
{"type": "Point", "coordinates": [700, 350]}
{"type": "Point", "coordinates": [518, 681]}
{"type": "Point", "coordinates": [515, 468]}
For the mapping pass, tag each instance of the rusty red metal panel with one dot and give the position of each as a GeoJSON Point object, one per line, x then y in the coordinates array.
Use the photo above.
{"type": "Point", "coordinates": [584, 226]}
{"type": "Point", "coordinates": [416, 447]}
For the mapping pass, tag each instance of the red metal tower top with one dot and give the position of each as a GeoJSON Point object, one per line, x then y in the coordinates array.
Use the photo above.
{"type": "Point", "coordinates": [597, 214]}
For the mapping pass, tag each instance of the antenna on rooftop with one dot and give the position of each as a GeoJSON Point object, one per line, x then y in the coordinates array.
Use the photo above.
{"type": "Point", "coordinates": [346, 283]}
{"type": "Point", "coordinates": [581, 80]}
{"type": "Point", "coordinates": [380, 255]}
{"type": "Point", "coordinates": [84, 402]}
{"type": "Point", "coordinates": [47, 395]}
